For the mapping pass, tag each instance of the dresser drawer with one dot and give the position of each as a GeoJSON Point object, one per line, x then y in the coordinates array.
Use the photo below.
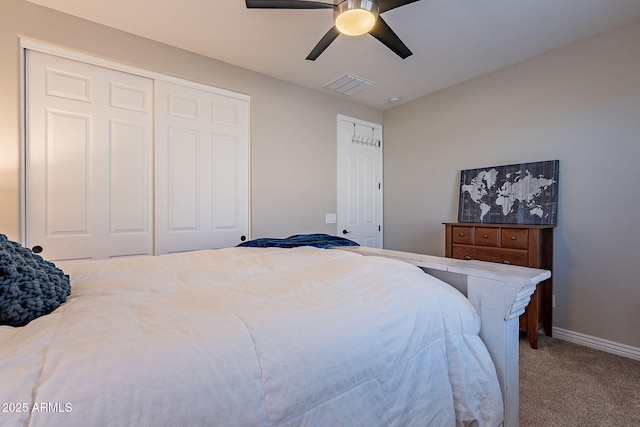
{"type": "Point", "coordinates": [486, 236]}
{"type": "Point", "coordinates": [514, 238]}
{"type": "Point", "coordinates": [462, 235]}
{"type": "Point", "coordinates": [504, 256]}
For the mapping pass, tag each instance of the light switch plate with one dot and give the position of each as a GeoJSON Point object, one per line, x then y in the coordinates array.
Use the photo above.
{"type": "Point", "coordinates": [330, 218]}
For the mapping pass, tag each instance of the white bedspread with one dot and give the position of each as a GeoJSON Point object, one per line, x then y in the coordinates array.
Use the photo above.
{"type": "Point", "coordinates": [250, 337]}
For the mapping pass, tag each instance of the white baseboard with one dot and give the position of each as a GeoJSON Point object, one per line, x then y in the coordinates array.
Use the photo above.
{"type": "Point", "coordinates": [597, 343]}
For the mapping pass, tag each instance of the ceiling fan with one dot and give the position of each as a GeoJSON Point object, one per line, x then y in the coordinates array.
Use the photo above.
{"type": "Point", "coordinates": [352, 17]}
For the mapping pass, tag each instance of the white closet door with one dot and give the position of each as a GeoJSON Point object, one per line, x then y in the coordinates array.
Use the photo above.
{"type": "Point", "coordinates": [88, 160]}
{"type": "Point", "coordinates": [201, 169]}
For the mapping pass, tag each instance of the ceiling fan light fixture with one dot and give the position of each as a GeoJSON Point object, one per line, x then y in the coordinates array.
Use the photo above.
{"type": "Point", "coordinates": [356, 17]}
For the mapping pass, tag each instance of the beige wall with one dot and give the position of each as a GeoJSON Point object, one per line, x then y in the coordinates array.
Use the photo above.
{"type": "Point", "coordinates": [293, 144]}
{"type": "Point", "coordinates": [579, 104]}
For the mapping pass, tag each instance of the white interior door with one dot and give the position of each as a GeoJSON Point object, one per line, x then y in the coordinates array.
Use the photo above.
{"type": "Point", "coordinates": [360, 181]}
{"type": "Point", "coordinates": [89, 134]}
{"type": "Point", "coordinates": [201, 169]}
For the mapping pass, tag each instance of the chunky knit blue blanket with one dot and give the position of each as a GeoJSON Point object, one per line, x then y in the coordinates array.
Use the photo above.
{"type": "Point", "coordinates": [30, 286]}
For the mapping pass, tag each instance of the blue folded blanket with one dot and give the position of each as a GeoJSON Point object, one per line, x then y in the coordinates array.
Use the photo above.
{"type": "Point", "coordinates": [316, 240]}
{"type": "Point", "coordinates": [30, 286]}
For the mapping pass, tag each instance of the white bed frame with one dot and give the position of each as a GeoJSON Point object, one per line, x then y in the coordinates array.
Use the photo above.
{"type": "Point", "coordinates": [500, 293]}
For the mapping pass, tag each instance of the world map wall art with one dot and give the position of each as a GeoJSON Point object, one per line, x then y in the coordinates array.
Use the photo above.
{"type": "Point", "coordinates": [525, 193]}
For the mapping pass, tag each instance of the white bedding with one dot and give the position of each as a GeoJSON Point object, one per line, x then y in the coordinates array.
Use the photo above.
{"type": "Point", "coordinates": [250, 337]}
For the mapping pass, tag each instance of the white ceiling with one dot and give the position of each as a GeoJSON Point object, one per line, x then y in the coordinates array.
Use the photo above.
{"type": "Point", "coordinates": [452, 40]}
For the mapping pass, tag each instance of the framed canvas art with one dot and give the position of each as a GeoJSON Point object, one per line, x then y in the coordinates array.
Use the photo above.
{"type": "Point", "coordinates": [525, 193]}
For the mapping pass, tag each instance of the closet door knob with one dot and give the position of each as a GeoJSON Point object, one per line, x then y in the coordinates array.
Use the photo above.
{"type": "Point", "coordinates": [243, 238]}
{"type": "Point", "coordinates": [345, 232]}
{"type": "Point", "coordinates": [36, 249]}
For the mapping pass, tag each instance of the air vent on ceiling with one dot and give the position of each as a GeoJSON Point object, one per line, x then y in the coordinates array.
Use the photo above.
{"type": "Point", "coordinates": [349, 84]}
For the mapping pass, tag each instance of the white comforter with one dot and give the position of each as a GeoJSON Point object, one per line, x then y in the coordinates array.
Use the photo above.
{"type": "Point", "coordinates": [250, 337]}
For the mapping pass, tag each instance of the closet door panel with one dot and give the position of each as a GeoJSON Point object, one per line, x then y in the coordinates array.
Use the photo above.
{"type": "Point", "coordinates": [128, 171]}
{"type": "Point", "coordinates": [202, 168]}
{"type": "Point", "coordinates": [128, 174]}
{"type": "Point", "coordinates": [183, 204]}
{"type": "Point", "coordinates": [66, 191]}
{"type": "Point", "coordinates": [224, 184]}
{"type": "Point", "coordinates": [88, 160]}
{"type": "Point", "coordinates": [129, 190]}
{"type": "Point", "coordinates": [60, 204]}
{"type": "Point", "coordinates": [230, 171]}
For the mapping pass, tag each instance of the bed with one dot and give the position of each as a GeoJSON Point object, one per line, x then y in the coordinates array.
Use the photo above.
{"type": "Point", "coordinates": [267, 337]}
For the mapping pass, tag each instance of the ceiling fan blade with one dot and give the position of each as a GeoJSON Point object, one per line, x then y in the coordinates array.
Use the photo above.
{"type": "Point", "coordinates": [324, 43]}
{"type": "Point", "coordinates": [384, 5]}
{"type": "Point", "coordinates": [287, 4]}
{"type": "Point", "coordinates": [385, 34]}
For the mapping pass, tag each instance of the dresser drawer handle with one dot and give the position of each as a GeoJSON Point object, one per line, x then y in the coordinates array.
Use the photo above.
{"type": "Point", "coordinates": [467, 257]}
{"type": "Point", "coordinates": [486, 236]}
{"type": "Point", "coordinates": [461, 234]}
{"type": "Point", "coordinates": [513, 237]}
{"type": "Point", "coordinates": [506, 261]}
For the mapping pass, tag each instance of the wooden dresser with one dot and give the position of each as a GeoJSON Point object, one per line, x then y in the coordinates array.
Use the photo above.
{"type": "Point", "coordinates": [523, 245]}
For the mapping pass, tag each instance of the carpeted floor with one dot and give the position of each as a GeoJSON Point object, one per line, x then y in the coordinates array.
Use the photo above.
{"type": "Point", "coordinates": [564, 384]}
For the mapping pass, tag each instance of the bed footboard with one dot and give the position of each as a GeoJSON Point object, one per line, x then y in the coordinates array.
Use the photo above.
{"type": "Point", "coordinates": [499, 293]}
